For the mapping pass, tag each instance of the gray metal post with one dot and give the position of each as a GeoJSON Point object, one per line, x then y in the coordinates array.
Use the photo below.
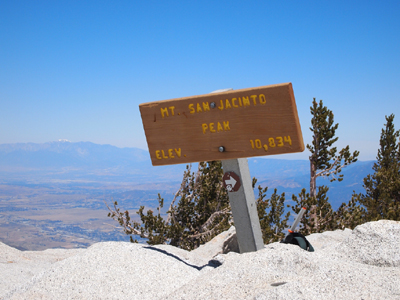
{"type": "Point", "coordinates": [244, 207]}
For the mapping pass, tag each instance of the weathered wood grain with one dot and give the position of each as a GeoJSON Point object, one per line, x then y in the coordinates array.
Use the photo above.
{"type": "Point", "coordinates": [248, 122]}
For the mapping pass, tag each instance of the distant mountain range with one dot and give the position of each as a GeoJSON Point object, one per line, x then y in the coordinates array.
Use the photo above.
{"type": "Point", "coordinates": [85, 161]}
{"type": "Point", "coordinates": [67, 154]}
{"type": "Point", "coordinates": [80, 161]}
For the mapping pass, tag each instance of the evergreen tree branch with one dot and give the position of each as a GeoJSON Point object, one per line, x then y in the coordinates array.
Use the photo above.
{"type": "Point", "coordinates": [124, 220]}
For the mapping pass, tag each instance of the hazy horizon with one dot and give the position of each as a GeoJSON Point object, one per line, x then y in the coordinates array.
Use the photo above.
{"type": "Point", "coordinates": [289, 156]}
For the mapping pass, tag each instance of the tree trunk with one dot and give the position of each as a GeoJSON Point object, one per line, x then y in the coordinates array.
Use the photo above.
{"type": "Point", "coordinates": [313, 179]}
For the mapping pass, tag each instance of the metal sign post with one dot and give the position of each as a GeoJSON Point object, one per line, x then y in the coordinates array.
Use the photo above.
{"type": "Point", "coordinates": [237, 181]}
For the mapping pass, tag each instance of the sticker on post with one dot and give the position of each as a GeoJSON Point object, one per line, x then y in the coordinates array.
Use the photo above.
{"type": "Point", "coordinates": [231, 181]}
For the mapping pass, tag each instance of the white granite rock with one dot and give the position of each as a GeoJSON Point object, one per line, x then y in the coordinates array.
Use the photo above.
{"type": "Point", "coordinates": [110, 270]}
{"type": "Point", "coordinates": [358, 264]}
{"type": "Point", "coordinates": [373, 243]}
{"type": "Point", "coordinates": [18, 267]}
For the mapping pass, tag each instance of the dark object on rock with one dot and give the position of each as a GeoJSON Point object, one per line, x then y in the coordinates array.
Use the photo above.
{"type": "Point", "coordinates": [278, 283]}
{"type": "Point", "coordinates": [296, 238]}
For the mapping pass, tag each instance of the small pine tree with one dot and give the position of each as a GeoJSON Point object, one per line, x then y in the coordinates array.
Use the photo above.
{"type": "Point", "coordinates": [203, 211]}
{"type": "Point", "coordinates": [270, 213]}
{"type": "Point", "coordinates": [319, 215]}
{"type": "Point", "coordinates": [382, 197]}
{"type": "Point", "coordinates": [350, 214]}
{"type": "Point", "coordinates": [324, 160]}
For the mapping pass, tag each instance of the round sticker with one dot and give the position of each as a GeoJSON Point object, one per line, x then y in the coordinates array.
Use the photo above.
{"type": "Point", "coordinates": [231, 181]}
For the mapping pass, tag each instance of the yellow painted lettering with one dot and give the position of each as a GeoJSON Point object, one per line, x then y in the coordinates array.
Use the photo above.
{"type": "Point", "coordinates": [227, 104]}
{"type": "Point", "coordinates": [258, 143]}
{"type": "Point", "coordinates": [226, 125]}
{"type": "Point", "coordinates": [171, 108]}
{"type": "Point", "coordinates": [233, 102]}
{"type": "Point", "coordinates": [199, 108]}
{"type": "Point", "coordinates": [206, 107]}
{"type": "Point", "coordinates": [158, 154]}
{"type": "Point", "coordinates": [191, 108]}
{"type": "Point", "coordinates": [240, 101]}
{"type": "Point", "coordinates": [280, 141]}
{"type": "Point", "coordinates": [163, 154]}
{"type": "Point", "coordinates": [178, 152]}
{"type": "Point", "coordinates": [262, 98]}
{"type": "Point", "coordinates": [287, 139]}
{"type": "Point", "coordinates": [164, 111]}
{"type": "Point", "coordinates": [212, 127]}
{"type": "Point", "coordinates": [271, 142]}
{"type": "Point", "coordinates": [246, 101]}
{"type": "Point", "coordinates": [170, 154]}
{"type": "Point", "coordinates": [254, 97]}
{"type": "Point", "coordinates": [221, 107]}
{"type": "Point", "coordinates": [215, 127]}
{"type": "Point", "coordinates": [205, 127]}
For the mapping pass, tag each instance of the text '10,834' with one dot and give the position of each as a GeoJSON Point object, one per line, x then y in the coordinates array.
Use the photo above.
{"type": "Point", "coordinates": [271, 143]}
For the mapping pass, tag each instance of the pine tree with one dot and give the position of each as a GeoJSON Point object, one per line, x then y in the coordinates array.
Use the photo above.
{"type": "Point", "coordinates": [270, 212]}
{"type": "Point", "coordinates": [202, 212]}
{"type": "Point", "coordinates": [382, 197]}
{"type": "Point", "coordinates": [319, 215]}
{"type": "Point", "coordinates": [350, 214]}
{"type": "Point", "coordinates": [324, 160]}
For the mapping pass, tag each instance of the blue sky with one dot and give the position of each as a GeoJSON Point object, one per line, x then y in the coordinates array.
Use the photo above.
{"type": "Point", "coordinates": [78, 70]}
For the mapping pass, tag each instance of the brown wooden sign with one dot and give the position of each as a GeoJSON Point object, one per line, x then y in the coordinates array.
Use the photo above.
{"type": "Point", "coordinates": [217, 126]}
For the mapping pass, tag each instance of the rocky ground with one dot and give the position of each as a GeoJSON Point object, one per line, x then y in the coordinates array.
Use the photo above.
{"type": "Point", "coordinates": [363, 263]}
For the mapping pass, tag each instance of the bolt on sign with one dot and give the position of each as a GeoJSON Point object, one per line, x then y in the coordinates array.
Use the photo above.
{"type": "Point", "coordinates": [227, 125]}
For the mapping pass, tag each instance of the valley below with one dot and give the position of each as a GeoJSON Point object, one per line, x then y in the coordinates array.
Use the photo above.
{"type": "Point", "coordinates": [53, 195]}
{"type": "Point", "coordinates": [38, 217]}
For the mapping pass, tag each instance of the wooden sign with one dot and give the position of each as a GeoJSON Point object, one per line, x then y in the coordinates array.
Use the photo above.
{"type": "Point", "coordinates": [217, 126]}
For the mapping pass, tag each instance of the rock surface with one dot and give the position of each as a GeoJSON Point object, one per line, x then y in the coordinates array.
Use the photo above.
{"type": "Point", "coordinates": [363, 263]}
